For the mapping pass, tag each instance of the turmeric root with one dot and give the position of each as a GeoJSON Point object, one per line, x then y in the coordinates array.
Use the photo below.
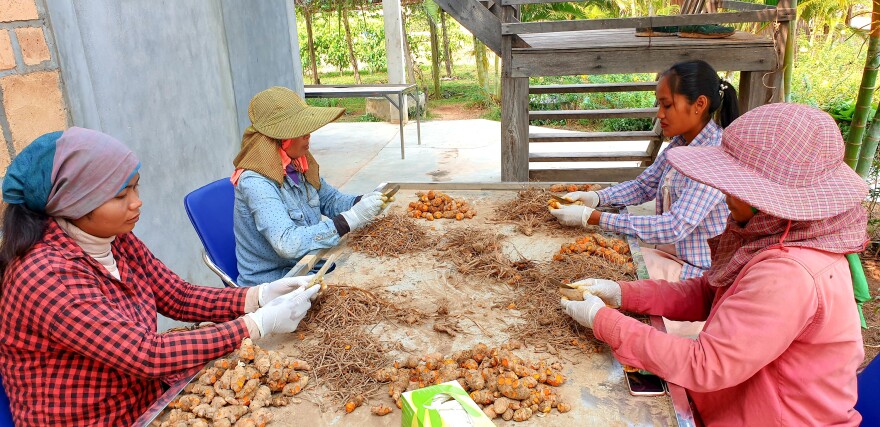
{"type": "Point", "coordinates": [354, 403]}
{"type": "Point", "coordinates": [381, 410]}
{"type": "Point", "coordinates": [522, 414]}
{"type": "Point", "coordinates": [230, 413]}
{"type": "Point", "coordinates": [258, 418]}
{"type": "Point", "coordinates": [293, 389]}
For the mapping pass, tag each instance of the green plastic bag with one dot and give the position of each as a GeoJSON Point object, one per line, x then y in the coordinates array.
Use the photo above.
{"type": "Point", "coordinates": [419, 407]}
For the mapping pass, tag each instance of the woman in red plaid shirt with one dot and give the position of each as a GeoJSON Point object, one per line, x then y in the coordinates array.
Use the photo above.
{"type": "Point", "coordinates": [80, 293]}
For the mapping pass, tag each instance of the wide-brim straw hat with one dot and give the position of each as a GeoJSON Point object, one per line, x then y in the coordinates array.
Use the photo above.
{"type": "Point", "coordinates": [783, 159]}
{"type": "Point", "coordinates": [280, 113]}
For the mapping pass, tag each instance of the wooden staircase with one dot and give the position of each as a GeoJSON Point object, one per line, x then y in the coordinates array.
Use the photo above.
{"type": "Point", "coordinates": [609, 46]}
{"type": "Point", "coordinates": [645, 158]}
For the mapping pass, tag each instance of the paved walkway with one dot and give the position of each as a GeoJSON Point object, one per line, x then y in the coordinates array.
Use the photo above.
{"type": "Point", "coordinates": [356, 157]}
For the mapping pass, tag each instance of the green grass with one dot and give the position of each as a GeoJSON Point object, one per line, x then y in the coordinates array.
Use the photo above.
{"type": "Point", "coordinates": [462, 90]}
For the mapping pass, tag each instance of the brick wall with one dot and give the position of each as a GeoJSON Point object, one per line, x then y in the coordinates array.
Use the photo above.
{"type": "Point", "coordinates": [31, 100]}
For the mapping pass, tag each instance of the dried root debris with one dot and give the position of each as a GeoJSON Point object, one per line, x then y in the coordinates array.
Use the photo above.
{"type": "Point", "coordinates": [390, 235]}
{"type": "Point", "coordinates": [342, 354]}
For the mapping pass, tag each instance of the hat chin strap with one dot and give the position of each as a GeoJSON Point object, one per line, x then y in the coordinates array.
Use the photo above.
{"type": "Point", "coordinates": [781, 245]}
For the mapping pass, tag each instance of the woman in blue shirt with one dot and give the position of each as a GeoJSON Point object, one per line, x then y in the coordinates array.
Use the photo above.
{"type": "Point", "coordinates": [280, 197]}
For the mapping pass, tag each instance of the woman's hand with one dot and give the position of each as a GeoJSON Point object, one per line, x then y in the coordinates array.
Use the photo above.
{"type": "Point", "coordinates": [364, 211]}
{"type": "Point", "coordinates": [573, 215]}
{"type": "Point", "coordinates": [282, 286]}
{"type": "Point", "coordinates": [607, 290]}
{"type": "Point", "coordinates": [589, 198]}
{"type": "Point", "coordinates": [283, 314]}
{"type": "Point", "coordinates": [583, 312]}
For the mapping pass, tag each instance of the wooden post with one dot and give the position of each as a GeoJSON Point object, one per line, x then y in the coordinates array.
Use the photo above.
{"type": "Point", "coordinates": [514, 113]}
{"type": "Point", "coordinates": [752, 90]}
{"type": "Point", "coordinates": [780, 38]}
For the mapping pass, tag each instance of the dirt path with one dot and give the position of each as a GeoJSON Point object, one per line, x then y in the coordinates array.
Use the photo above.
{"type": "Point", "coordinates": [455, 112]}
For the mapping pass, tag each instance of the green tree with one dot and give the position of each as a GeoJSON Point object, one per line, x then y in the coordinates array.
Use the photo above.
{"type": "Point", "coordinates": [865, 99]}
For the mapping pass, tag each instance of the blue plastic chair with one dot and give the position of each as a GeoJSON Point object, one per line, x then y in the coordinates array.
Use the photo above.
{"type": "Point", "coordinates": [5, 411]}
{"type": "Point", "coordinates": [869, 394]}
{"type": "Point", "coordinates": [210, 209]}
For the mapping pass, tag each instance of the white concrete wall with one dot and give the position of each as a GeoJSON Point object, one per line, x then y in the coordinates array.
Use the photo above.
{"type": "Point", "coordinates": [173, 79]}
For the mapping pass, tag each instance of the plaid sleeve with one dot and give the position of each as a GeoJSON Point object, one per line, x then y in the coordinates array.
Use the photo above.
{"type": "Point", "coordinates": [83, 320]}
{"type": "Point", "coordinates": [638, 191]}
{"type": "Point", "coordinates": [695, 204]}
{"type": "Point", "coordinates": [184, 301]}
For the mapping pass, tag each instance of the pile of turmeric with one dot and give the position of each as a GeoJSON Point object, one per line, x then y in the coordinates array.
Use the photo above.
{"type": "Point", "coordinates": [503, 384]}
{"type": "Point", "coordinates": [568, 188]}
{"type": "Point", "coordinates": [436, 205]}
{"type": "Point", "coordinates": [237, 390]}
{"type": "Point", "coordinates": [614, 250]}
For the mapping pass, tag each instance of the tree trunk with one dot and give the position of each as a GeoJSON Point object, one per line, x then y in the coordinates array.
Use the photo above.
{"type": "Point", "coordinates": [849, 11]}
{"type": "Point", "coordinates": [311, 41]}
{"type": "Point", "coordinates": [351, 57]}
{"type": "Point", "coordinates": [484, 64]}
{"type": "Point", "coordinates": [435, 56]}
{"type": "Point", "coordinates": [866, 93]}
{"type": "Point", "coordinates": [478, 62]}
{"type": "Point", "coordinates": [446, 53]}
{"type": "Point", "coordinates": [869, 147]}
{"type": "Point", "coordinates": [497, 77]}
{"type": "Point", "coordinates": [410, 64]}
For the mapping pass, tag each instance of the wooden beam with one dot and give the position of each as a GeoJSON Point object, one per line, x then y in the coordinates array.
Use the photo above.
{"type": "Point", "coordinates": [515, 2]}
{"type": "Point", "coordinates": [593, 114]}
{"type": "Point", "coordinates": [753, 92]}
{"type": "Point", "coordinates": [591, 156]}
{"type": "Point", "coordinates": [569, 62]}
{"type": "Point", "coordinates": [594, 88]}
{"type": "Point", "coordinates": [585, 174]}
{"type": "Point", "coordinates": [514, 129]}
{"type": "Point", "coordinates": [592, 136]}
{"type": "Point", "coordinates": [477, 19]}
{"type": "Point", "coordinates": [768, 15]}
{"type": "Point", "coordinates": [742, 6]}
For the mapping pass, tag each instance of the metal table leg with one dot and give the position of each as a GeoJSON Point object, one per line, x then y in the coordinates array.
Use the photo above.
{"type": "Point", "coordinates": [418, 116]}
{"type": "Point", "coordinates": [399, 106]}
{"type": "Point", "coordinates": [400, 116]}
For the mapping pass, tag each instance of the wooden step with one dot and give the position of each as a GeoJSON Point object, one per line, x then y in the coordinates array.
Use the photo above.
{"type": "Point", "coordinates": [585, 174]}
{"type": "Point", "coordinates": [631, 113]}
{"type": "Point", "coordinates": [594, 88]}
{"type": "Point", "coordinates": [591, 156]}
{"type": "Point", "coordinates": [593, 136]}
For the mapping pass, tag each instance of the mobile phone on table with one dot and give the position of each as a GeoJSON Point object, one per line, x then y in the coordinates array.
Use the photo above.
{"type": "Point", "coordinates": [645, 385]}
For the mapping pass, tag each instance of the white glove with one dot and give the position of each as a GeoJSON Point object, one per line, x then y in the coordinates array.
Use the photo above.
{"type": "Point", "coordinates": [364, 210]}
{"type": "Point", "coordinates": [282, 286]}
{"type": "Point", "coordinates": [583, 312]}
{"type": "Point", "coordinates": [607, 290]}
{"type": "Point", "coordinates": [573, 215]}
{"type": "Point", "coordinates": [283, 314]}
{"type": "Point", "coordinates": [589, 198]}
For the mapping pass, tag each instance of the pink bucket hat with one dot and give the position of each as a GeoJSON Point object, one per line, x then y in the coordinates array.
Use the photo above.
{"type": "Point", "coordinates": [783, 159]}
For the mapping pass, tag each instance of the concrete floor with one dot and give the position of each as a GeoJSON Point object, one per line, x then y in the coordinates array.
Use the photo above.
{"type": "Point", "coordinates": [356, 157]}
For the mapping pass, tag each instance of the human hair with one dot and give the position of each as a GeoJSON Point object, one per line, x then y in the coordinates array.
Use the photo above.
{"type": "Point", "coordinates": [22, 229]}
{"type": "Point", "coordinates": [694, 78]}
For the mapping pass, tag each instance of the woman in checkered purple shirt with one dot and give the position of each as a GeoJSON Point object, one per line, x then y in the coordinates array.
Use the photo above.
{"type": "Point", "coordinates": [690, 98]}
{"type": "Point", "coordinates": [80, 293]}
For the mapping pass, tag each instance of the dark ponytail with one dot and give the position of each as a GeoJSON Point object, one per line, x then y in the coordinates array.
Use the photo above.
{"type": "Point", "coordinates": [22, 229]}
{"type": "Point", "coordinates": [694, 78]}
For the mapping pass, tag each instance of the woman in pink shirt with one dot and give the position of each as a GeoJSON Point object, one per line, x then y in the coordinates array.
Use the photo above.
{"type": "Point", "coordinates": [782, 342]}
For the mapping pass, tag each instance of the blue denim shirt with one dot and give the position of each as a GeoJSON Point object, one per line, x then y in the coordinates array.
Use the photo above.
{"type": "Point", "coordinates": [275, 227]}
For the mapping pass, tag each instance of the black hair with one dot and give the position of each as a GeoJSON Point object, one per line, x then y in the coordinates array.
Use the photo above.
{"type": "Point", "coordinates": [694, 78]}
{"type": "Point", "coordinates": [22, 229]}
